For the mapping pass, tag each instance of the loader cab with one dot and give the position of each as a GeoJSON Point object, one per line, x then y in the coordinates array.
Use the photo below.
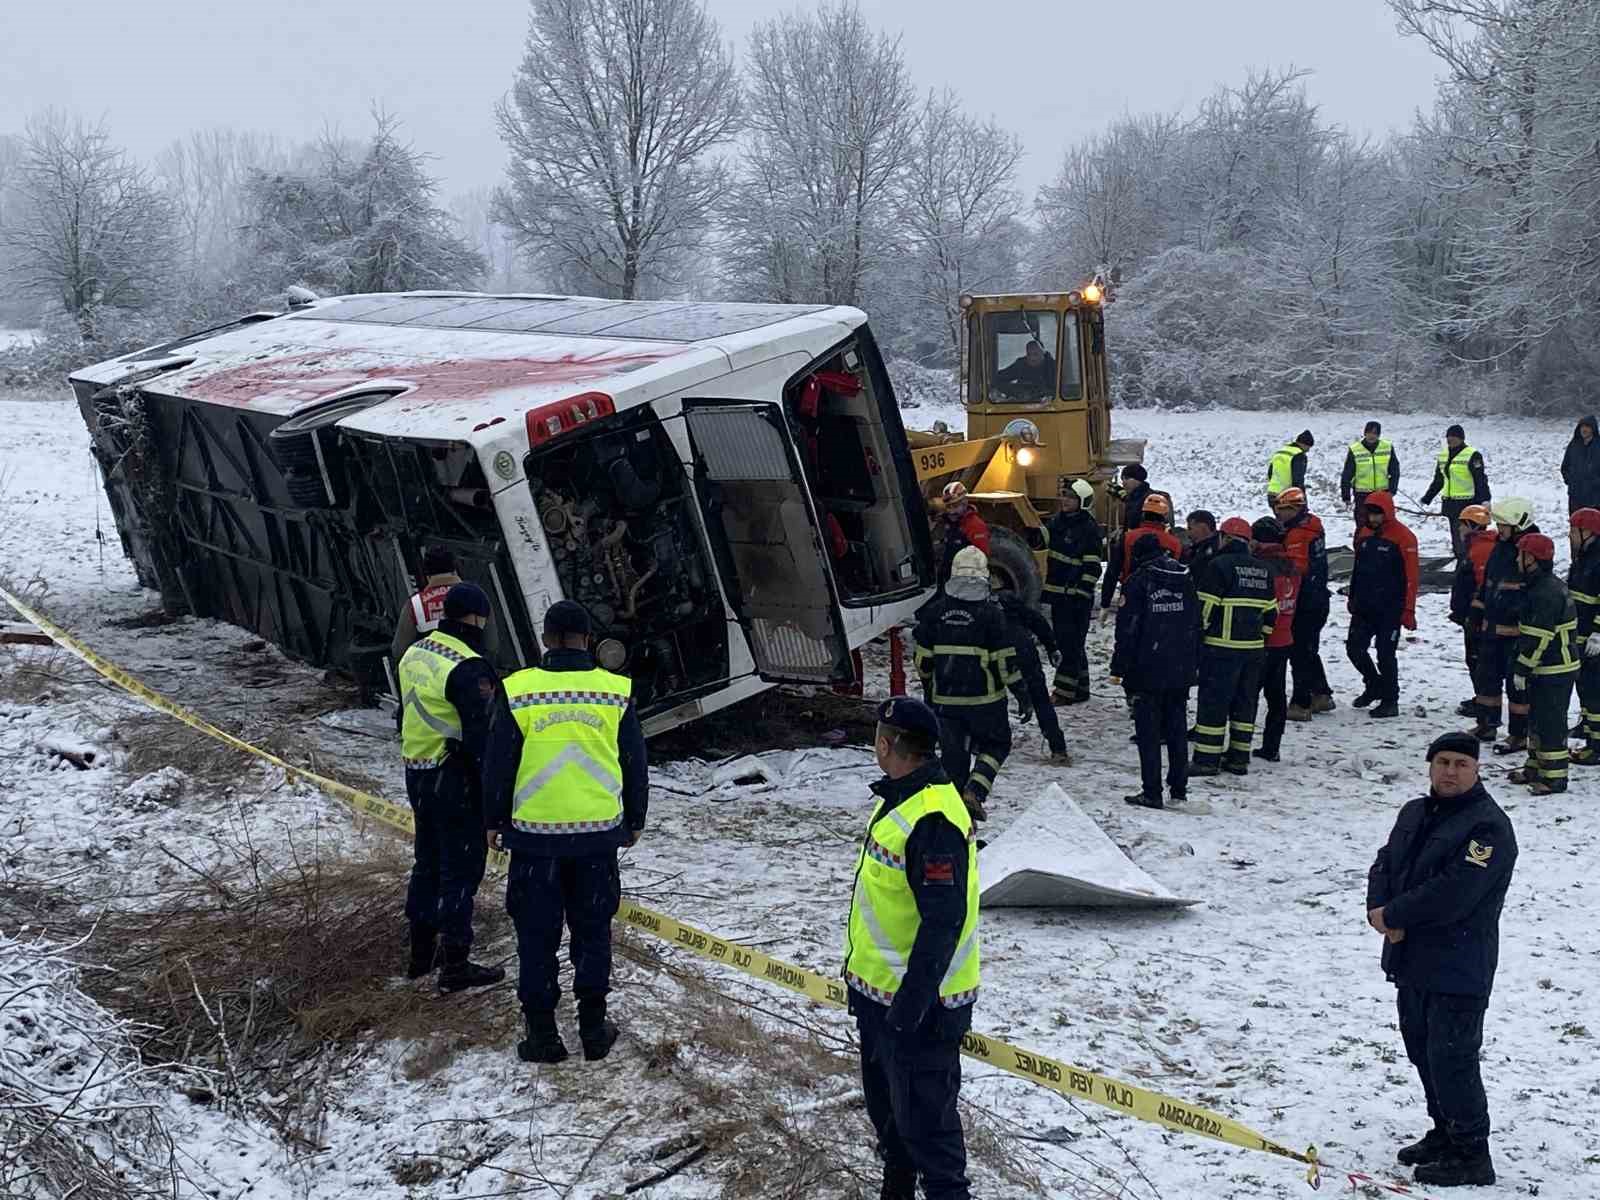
{"type": "Point", "coordinates": [1040, 359]}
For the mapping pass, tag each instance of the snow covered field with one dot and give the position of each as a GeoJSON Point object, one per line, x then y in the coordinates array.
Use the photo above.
{"type": "Point", "coordinates": [1265, 1002]}
{"type": "Point", "coordinates": [15, 337]}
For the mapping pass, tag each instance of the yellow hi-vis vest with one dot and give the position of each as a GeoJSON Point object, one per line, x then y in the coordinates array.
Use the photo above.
{"type": "Point", "coordinates": [1372, 466]}
{"type": "Point", "coordinates": [1457, 474]}
{"type": "Point", "coordinates": [883, 911]}
{"type": "Point", "coordinates": [570, 776]}
{"type": "Point", "coordinates": [1280, 471]}
{"type": "Point", "coordinates": [428, 721]}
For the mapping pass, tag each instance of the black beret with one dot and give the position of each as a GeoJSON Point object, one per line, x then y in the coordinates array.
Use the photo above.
{"type": "Point", "coordinates": [1136, 471]}
{"type": "Point", "coordinates": [912, 715]}
{"type": "Point", "coordinates": [566, 617]}
{"type": "Point", "coordinates": [1305, 439]}
{"type": "Point", "coordinates": [1454, 743]}
{"type": "Point", "coordinates": [466, 600]}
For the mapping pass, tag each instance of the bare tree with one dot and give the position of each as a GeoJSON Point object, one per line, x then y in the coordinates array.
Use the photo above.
{"type": "Point", "coordinates": [610, 123]}
{"type": "Point", "coordinates": [833, 120]}
{"type": "Point", "coordinates": [92, 229]}
{"type": "Point", "coordinates": [959, 229]}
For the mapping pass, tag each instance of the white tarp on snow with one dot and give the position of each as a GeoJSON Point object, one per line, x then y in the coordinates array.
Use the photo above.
{"type": "Point", "coordinates": [1055, 856]}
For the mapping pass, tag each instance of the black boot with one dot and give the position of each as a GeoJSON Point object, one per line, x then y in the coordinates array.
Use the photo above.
{"type": "Point", "coordinates": [1368, 695]}
{"type": "Point", "coordinates": [543, 1043]}
{"type": "Point", "coordinates": [1465, 1164]}
{"type": "Point", "coordinates": [1203, 769]}
{"type": "Point", "coordinates": [898, 1185]}
{"type": "Point", "coordinates": [458, 973]}
{"type": "Point", "coordinates": [596, 1033]}
{"type": "Point", "coordinates": [1385, 711]}
{"type": "Point", "coordinates": [1431, 1147]}
{"type": "Point", "coordinates": [1264, 754]}
{"type": "Point", "coordinates": [1236, 764]}
{"type": "Point", "coordinates": [1142, 801]}
{"type": "Point", "coordinates": [424, 950]}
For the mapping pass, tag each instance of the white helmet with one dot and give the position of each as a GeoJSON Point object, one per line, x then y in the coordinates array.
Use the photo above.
{"type": "Point", "coordinates": [955, 493]}
{"type": "Point", "coordinates": [970, 563]}
{"type": "Point", "coordinates": [1083, 490]}
{"type": "Point", "coordinates": [1513, 511]}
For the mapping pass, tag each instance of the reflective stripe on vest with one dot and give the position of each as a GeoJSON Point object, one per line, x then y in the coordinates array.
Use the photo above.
{"type": "Point", "coordinates": [1564, 662]}
{"type": "Point", "coordinates": [570, 776]}
{"type": "Point", "coordinates": [1280, 471]}
{"type": "Point", "coordinates": [1457, 473]}
{"type": "Point", "coordinates": [1223, 638]}
{"type": "Point", "coordinates": [883, 912]}
{"type": "Point", "coordinates": [428, 721]}
{"type": "Point", "coordinates": [1372, 466]}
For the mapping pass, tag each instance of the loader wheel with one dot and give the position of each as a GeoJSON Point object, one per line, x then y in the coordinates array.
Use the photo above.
{"type": "Point", "coordinates": [1013, 564]}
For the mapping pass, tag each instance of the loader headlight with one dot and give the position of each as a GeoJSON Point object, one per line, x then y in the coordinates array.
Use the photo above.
{"type": "Point", "coordinates": [1027, 456]}
{"type": "Point", "coordinates": [1091, 293]}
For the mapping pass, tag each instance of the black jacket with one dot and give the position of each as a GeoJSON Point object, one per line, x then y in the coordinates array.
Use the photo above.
{"type": "Point", "coordinates": [1197, 557]}
{"type": "Point", "coordinates": [941, 909]}
{"type": "Point", "coordinates": [975, 683]}
{"type": "Point", "coordinates": [1504, 593]}
{"type": "Point", "coordinates": [504, 755]}
{"type": "Point", "coordinates": [1475, 468]}
{"type": "Point", "coordinates": [1025, 624]}
{"type": "Point", "coordinates": [1547, 644]}
{"type": "Point", "coordinates": [1158, 629]}
{"type": "Point", "coordinates": [1077, 552]}
{"type": "Point", "coordinates": [1028, 382]}
{"type": "Point", "coordinates": [1378, 581]}
{"type": "Point", "coordinates": [1580, 467]}
{"type": "Point", "coordinates": [1442, 878]}
{"type": "Point", "coordinates": [1583, 581]}
{"type": "Point", "coordinates": [1238, 606]}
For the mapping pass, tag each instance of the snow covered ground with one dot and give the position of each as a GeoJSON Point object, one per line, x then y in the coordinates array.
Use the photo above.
{"type": "Point", "coordinates": [1265, 1001]}
{"type": "Point", "coordinates": [16, 337]}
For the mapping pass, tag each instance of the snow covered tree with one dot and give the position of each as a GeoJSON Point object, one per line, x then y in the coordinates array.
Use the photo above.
{"type": "Point", "coordinates": [358, 218]}
{"type": "Point", "coordinates": [91, 229]}
{"type": "Point", "coordinates": [832, 127]}
{"type": "Point", "coordinates": [958, 221]}
{"type": "Point", "coordinates": [611, 123]}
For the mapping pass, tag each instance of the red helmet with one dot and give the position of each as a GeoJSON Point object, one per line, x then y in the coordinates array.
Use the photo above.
{"type": "Point", "coordinates": [1587, 519]}
{"type": "Point", "coordinates": [1537, 546]}
{"type": "Point", "coordinates": [1236, 527]}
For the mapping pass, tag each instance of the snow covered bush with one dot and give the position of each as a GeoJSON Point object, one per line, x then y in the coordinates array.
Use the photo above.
{"type": "Point", "coordinates": [916, 385]}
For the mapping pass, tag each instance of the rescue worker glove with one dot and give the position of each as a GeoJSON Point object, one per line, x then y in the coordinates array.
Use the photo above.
{"type": "Point", "coordinates": [1591, 647]}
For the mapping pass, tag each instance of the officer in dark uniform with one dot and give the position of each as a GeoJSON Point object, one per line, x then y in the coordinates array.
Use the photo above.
{"type": "Point", "coordinates": [966, 662]}
{"type": "Point", "coordinates": [447, 690]}
{"type": "Point", "coordinates": [911, 958]}
{"type": "Point", "coordinates": [1077, 549]}
{"type": "Point", "coordinates": [1156, 656]}
{"type": "Point", "coordinates": [1501, 600]}
{"type": "Point", "coordinates": [1583, 584]}
{"type": "Point", "coordinates": [1548, 659]}
{"type": "Point", "coordinates": [1435, 892]}
{"type": "Point", "coordinates": [566, 784]}
{"type": "Point", "coordinates": [1237, 610]}
{"type": "Point", "coordinates": [1027, 628]}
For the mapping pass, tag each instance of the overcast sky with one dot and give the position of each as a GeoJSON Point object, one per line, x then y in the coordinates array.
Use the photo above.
{"type": "Point", "coordinates": [1053, 72]}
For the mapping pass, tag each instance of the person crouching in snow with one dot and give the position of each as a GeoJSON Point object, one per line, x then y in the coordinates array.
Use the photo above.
{"type": "Point", "coordinates": [1383, 599]}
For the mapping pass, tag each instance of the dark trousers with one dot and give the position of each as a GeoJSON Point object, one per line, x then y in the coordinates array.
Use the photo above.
{"type": "Point", "coordinates": [1452, 511]}
{"type": "Point", "coordinates": [1310, 676]}
{"type": "Point", "coordinates": [1443, 1034]}
{"type": "Point", "coordinates": [543, 892]}
{"type": "Point", "coordinates": [1033, 690]}
{"type": "Point", "coordinates": [1359, 510]}
{"type": "Point", "coordinates": [1382, 679]}
{"type": "Point", "coordinates": [1162, 719]}
{"type": "Point", "coordinates": [1070, 618]}
{"type": "Point", "coordinates": [449, 851]}
{"type": "Point", "coordinates": [1549, 697]}
{"type": "Point", "coordinates": [1497, 670]}
{"type": "Point", "coordinates": [1225, 713]}
{"type": "Point", "coordinates": [973, 743]}
{"type": "Point", "coordinates": [1274, 686]}
{"type": "Point", "coordinates": [911, 1082]}
{"type": "Point", "coordinates": [1589, 700]}
{"type": "Point", "coordinates": [1469, 650]}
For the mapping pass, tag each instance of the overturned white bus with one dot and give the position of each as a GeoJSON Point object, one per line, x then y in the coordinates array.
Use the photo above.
{"type": "Point", "coordinates": [726, 487]}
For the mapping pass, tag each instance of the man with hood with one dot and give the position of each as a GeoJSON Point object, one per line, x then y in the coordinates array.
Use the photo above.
{"type": "Point", "coordinates": [1156, 655]}
{"type": "Point", "coordinates": [1305, 542]}
{"type": "Point", "coordinates": [1501, 600]}
{"type": "Point", "coordinates": [1383, 600]}
{"type": "Point", "coordinates": [1548, 659]}
{"type": "Point", "coordinates": [1580, 467]}
{"type": "Point", "coordinates": [1266, 543]}
{"type": "Point", "coordinates": [1287, 466]}
{"type": "Point", "coordinates": [1371, 465]}
{"type": "Point", "coordinates": [966, 662]}
{"type": "Point", "coordinates": [1237, 611]}
{"type": "Point", "coordinates": [1465, 610]}
{"type": "Point", "coordinates": [1583, 584]}
{"type": "Point", "coordinates": [1458, 477]}
{"type": "Point", "coordinates": [1434, 894]}
{"type": "Point", "coordinates": [1077, 547]}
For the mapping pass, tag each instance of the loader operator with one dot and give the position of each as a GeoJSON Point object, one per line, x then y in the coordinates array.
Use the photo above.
{"type": "Point", "coordinates": [1031, 377]}
{"type": "Point", "coordinates": [447, 689]}
{"type": "Point", "coordinates": [966, 662]}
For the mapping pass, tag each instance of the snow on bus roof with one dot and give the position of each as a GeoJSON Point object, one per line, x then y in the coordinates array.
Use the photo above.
{"type": "Point", "coordinates": [449, 353]}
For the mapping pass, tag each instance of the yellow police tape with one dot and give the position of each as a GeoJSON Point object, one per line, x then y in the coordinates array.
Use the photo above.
{"type": "Point", "coordinates": [1076, 1083]}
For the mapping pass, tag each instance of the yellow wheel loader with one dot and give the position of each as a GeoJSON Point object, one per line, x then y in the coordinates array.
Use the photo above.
{"type": "Point", "coordinates": [1034, 386]}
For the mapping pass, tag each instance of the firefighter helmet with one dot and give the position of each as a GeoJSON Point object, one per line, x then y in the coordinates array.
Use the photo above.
{"type": "Point", "coordinates": [1478, 514]}
{"type": "Point", "coordinates": [1237, 527]}
{"type": "Point", "coordinates": [955, 492]}
{"type": "Point", "coordinates": [1513, 511]}
{"type": "Point", "coordinates": [1587, 519]}
{"type": "Point", "coordinates": [1538, 547]}
{"type": "Point", "coordinates": [1292, 497]}
{"type": "Point", "coordinates": [1157, 505]}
